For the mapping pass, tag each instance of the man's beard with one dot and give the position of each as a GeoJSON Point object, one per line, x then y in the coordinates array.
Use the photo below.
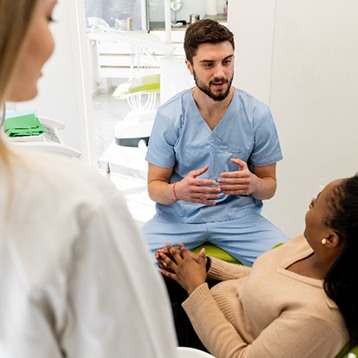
{"type": "Point", "coordinates": [206, 89]}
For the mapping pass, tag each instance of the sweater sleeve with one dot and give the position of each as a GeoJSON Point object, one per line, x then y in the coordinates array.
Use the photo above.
{"type": "Point", "coordinates": [289, 335]}
{"type": "Point", "coordinates": [223, 271]}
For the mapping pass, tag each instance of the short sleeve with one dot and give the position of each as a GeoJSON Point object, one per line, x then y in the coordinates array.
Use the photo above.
{"type": "Point", "coordinates": [161, 143]}
{"type": "Point", "coordinates": [267, 149]}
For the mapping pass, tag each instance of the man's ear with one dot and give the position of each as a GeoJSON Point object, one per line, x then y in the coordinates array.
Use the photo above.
{"type": "Point", "coordinates": [189, 66]}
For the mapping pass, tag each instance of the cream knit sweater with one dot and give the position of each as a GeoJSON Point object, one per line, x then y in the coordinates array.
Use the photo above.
{"type": "Point", "coordinates": [267, 311]}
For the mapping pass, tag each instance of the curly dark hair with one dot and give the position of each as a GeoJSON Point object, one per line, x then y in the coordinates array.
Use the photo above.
{"type": "Point", "coordinates": [205, 31]}
{"type": "Point", "coordinates": [341, 280]}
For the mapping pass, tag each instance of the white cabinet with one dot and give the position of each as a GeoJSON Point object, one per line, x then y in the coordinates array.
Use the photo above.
{"type": "Point", "coordinates": [113, 58]}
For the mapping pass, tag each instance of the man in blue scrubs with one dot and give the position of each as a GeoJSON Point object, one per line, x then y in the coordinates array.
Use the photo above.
{"type": "Point", "coordinates": [212, 157]}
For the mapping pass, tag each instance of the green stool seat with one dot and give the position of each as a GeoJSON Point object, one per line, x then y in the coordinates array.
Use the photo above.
{"type": "Point", "coordinates": [344, 353]}
{"type": "Point", "coordinates": [214, 251]}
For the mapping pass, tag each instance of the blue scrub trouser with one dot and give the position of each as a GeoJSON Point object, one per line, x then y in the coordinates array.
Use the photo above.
{"type": "Point", "coordinates": [244, 238]}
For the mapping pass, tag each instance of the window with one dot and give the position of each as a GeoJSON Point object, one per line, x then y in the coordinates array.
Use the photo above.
{"type": "Point", "coordinates": [110, 10]}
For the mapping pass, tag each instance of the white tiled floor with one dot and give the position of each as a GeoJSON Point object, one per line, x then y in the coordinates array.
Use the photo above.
{"type": "Point", "coordinates": [128, 168]}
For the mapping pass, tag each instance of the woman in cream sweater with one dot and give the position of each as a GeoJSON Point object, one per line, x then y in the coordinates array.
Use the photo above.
{"type": "Point", "coordinates": [296, 301]}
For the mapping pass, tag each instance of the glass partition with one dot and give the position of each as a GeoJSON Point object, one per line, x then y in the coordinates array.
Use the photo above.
{"type": "Point", "coordinates": [110, 10]}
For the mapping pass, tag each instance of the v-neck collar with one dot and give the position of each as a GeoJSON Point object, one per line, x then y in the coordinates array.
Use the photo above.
{"type": "Point", "coordinates": [223, 118]}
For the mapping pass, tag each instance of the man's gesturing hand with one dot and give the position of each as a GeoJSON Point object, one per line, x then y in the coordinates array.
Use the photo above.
{"type": "Point", "coordinates": [203, 191]}
{"type": "Point", "coordinates": [240, 182]}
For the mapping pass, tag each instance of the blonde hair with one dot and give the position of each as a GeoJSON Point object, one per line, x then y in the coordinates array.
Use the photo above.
{"type": "Point", "coordinates": [15, 19]}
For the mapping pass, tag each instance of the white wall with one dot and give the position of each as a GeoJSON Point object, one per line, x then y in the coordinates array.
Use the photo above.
{"type": "Point", "coordinates": [65, 88]}
{"type": "Point", "coordinates": [300, 57]}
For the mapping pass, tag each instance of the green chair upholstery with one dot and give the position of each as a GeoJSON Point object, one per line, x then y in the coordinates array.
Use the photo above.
{"type": "Point", "coordinates": [214, 251]}
{"type": "Point", "coordinates": [344, 353]}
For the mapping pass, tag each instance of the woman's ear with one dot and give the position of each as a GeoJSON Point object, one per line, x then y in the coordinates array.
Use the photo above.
{"type": "Point", "coordinates": [333, 239]}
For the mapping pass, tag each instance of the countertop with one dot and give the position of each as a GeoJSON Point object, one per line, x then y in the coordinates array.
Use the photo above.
{"type": "Point", "coordinates": [160, 25]}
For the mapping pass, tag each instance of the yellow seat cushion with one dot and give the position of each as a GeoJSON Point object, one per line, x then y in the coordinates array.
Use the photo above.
{"type": "Point", "coordinates": [214, 251]}
{"type": "Point", "coordinates": [344, 353]}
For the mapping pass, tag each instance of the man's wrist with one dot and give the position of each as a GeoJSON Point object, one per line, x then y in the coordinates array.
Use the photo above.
{"type": "Point", "coordinates": [174, 192]}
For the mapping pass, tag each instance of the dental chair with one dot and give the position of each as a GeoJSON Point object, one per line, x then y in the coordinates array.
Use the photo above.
{"type": "Point", "coordinates": [141, 95]}
{"type": "Point", "coordinates": [141, 91]}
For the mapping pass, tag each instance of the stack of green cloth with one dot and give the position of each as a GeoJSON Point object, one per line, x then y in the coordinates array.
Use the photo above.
{"type": "Point", "coordinates": [24, 125]}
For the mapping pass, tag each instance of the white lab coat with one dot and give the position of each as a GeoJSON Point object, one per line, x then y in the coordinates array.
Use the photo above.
{"type": "Point", "coordinates": [75, 275]}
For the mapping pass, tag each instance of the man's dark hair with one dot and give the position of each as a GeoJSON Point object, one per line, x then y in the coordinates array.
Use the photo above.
{"type": "Point", "coordinates": [205, 31]}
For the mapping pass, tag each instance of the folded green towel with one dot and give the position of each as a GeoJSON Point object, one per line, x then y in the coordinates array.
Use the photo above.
{"type": "Point", "coordinates": [24, 125]}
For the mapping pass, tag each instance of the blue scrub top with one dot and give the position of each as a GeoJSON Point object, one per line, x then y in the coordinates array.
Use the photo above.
{"type": "Point", "coordinates": [182, 139]}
